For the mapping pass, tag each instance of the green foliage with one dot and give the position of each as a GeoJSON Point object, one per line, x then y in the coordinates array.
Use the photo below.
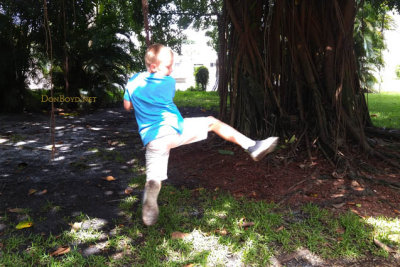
{"type": "Point", "coordinates": [369, 26]}
{"type": "Point", "coordinates": [201, 75]}
{"type": "Point", "coordinates": [383, 5]}
{"type": "Point", "coordinates": [15, 37]}
{"type": "Point", "coordinates": [203, 14]}
{"type": "Point", "coordinates": [92, 49]}
{"type": "Point", "coordinates": [397, 71]}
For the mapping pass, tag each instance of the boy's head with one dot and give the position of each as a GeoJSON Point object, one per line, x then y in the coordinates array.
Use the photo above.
{"type": "Point", "coordinates": [160, 59]}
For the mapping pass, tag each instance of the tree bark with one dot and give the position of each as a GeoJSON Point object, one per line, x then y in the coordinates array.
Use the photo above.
{"type": "Point", "coordinates": [287, 60]}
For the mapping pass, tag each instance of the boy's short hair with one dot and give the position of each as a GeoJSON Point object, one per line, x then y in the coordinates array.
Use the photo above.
{"type": "Point", "coordinates": [152, 53]}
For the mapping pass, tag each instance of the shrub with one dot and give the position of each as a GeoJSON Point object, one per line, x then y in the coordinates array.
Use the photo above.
{"type": "Point", "coordinates": [201, 75]}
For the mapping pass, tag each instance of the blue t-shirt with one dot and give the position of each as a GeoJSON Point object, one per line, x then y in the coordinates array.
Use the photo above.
{"type": "Point", "coordinates": [152, 97]}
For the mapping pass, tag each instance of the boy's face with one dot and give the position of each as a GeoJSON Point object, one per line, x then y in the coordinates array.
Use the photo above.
{"type": "Point", "coordinates": [165, 62]}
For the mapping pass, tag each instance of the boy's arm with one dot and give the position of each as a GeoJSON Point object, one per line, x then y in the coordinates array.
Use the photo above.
{"type": "Point", "coordinates": [127, 105]}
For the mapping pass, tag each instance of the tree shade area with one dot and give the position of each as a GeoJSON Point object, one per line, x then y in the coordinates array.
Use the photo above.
{"type": "Point", "coordinates": [296, 62]}
{"type": "Point", "coordinates": [289, 68]}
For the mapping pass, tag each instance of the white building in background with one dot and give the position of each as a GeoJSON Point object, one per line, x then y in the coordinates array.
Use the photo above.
{"type": "Point", "coordinates": [391, 56]}
{"type": "Point", "coordinates": [195, 53]}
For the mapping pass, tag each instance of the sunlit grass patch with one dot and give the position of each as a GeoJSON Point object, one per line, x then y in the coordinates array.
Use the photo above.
{"type": "Point", "coordinates": [384, 109]}
{"type": "Point", "coordinates": [201, 99]}
{"type": "Point", "coordinates": [128, 203]}
{"type": "Point", "coordinates": [386, 230]}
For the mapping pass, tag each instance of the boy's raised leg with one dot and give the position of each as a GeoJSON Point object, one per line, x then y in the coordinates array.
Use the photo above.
{"type": "Point", "coordinates": [150, 207]}
{"type": "Point", "coordinates": [256, 149]}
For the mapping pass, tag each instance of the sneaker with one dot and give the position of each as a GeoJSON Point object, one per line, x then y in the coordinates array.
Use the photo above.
{"type": "Point", "coordinates": [262, 148]}
{"type": "Point", "coordinates": [150, 206]}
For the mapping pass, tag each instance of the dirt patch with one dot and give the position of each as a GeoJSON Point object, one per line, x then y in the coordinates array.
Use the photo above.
{"type": "Point", "coordinates": [283, 179]}
{"type": "Point", "coordinates": [93, 146]}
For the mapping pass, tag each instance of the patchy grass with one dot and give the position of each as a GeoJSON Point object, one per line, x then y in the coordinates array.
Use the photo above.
{"type": "Point", "coordinates": [216, 230]}
{"type": "Point", "coordinates": [205, 100]}
{"type": "Point", "coordinates": [384, 109]}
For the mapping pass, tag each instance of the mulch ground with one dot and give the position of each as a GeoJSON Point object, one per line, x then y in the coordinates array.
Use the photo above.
{"type": "Point", "coordinates": [286, 180]}
{"type": "Point", "coordinates": [75, 182]}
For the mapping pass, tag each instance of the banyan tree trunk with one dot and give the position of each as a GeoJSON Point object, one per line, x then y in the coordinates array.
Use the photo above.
{"type": "Point", "coordinates": [288, 68]}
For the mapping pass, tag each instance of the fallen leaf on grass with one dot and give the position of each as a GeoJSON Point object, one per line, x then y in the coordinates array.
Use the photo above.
{"type": "Point", "coordinates": [109, 178]}
{"type": "Point", "coordinates": [338, 206]}
{"type": "Point", "coordinates": [357, 213]}
{"type": "Point", "coordinates": [383, 246]}
{"type": "Point", "coordinates": [128, 190]}
{"type": "Point", "coordinates": [178, 235]}
{"type": "Point", "coordinates": [22, 225]}
{"type": "Point", "coordinates": [189, 265]}
{"type": "Point", "coordinates": [60, 251]}
{"type": "Point", "coordinates": [247, 224]}
{"type": "Point", "coordinates": [340, 230]}
{"type": "Point", "coordinates": [280, 228]}
{"type": "Point", "coordinates": [44, 191]}
{"type": "Point", "coordinates": [222, 232]}
{"type": "Point", "coordinates": [76, 226]}
{"type": "Point", "coordinates": [16, 210]}
{"type": "Point", "coordinates": [32, 191]}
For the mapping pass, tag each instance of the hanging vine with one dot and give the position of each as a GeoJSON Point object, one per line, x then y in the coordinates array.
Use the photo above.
{"type": "Point", "coordinates": [145, 11]}
{"type": "Point", "coordinates": [49, 52]}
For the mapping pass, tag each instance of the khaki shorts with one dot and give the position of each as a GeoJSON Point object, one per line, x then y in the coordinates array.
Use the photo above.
{"type": "Point", "coordinates": [157, 151]}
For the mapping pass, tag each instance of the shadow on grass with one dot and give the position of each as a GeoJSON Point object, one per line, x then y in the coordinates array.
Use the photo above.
{"type": "Point", "coordinates": [217, 230]}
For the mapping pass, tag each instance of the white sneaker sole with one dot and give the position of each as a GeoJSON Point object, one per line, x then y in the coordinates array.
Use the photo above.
{"type": "Point", "coordinates": [150, 207]}
{"type": "Point", "coordinates": [268, 146]}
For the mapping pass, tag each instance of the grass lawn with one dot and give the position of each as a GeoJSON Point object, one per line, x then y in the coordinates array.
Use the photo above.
{"type": "Point", "coordinates": [384, 109]}
{"type": "Point", "coordinates": [203, 228]}
{"type": "Point", "coordinates": [205, 100]}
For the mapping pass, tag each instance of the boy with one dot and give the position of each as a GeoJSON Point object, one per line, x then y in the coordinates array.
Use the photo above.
{"type": "Point", "coordinates": [162, 127]}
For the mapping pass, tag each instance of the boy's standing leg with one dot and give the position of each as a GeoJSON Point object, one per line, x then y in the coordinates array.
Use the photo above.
{"type": "Point", "coordinates": [157, 154]}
